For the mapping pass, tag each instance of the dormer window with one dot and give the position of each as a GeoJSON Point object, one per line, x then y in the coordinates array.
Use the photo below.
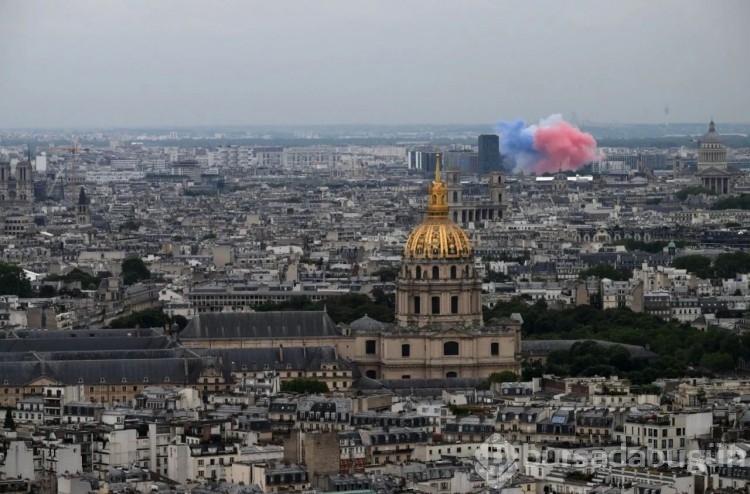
{"type": "Point", "coordinates": [145, 379]}
{"type": "Point", "coordinates": [124, 380]}
{"type": "Point", "coordinates": [102, 380]}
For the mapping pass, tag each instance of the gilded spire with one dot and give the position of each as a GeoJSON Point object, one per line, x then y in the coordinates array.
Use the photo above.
{"type": "Point", "coordinates": [438, 237]}
{"type": "Point", "coordinates": [437, 205]}
{"type": "Point", "coordinates": [437, 168]}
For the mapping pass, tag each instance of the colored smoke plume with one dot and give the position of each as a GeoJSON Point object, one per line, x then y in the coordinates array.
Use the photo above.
{"type": "Point", "coordinates": [549, 146]}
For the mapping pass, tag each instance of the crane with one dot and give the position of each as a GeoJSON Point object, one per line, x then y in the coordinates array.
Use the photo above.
{"type": "Point", "coordinates": [73, 150]}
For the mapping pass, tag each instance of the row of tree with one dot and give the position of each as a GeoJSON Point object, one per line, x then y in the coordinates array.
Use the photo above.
{"type": "Point", "coordinates": [680, 349]}
{"type": "Point", "coordinates": [741, 201]}
{"type": "Point", "coordinates": [345, 308]}
{"type": "Point", "coordinates": [725, 265]}
{"type": "Point", "coordinates": [13, 280]}
{"type": "Point", "coordinates": [153, 317]}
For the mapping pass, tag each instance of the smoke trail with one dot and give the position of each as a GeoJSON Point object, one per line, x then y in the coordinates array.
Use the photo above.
{"type": "Point", "coordinates": [551, 145]}
{"type": "Point", "coordinates": [517, 144]}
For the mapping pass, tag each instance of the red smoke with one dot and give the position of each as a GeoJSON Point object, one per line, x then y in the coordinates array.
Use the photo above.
{"type": "Point", "coordinates": [562, 147]}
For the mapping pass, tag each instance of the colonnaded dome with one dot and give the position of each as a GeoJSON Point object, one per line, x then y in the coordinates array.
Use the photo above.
{"type": "Point", "coordinates": [438, 237]}
{"type": "Point", "coordinates": [711, 137]}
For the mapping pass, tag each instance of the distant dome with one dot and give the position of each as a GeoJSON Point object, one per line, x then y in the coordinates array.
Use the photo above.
{"type": "Point", "coordinates": [366, 323]}
{"type": "Point", "coordinates": [711, 137]}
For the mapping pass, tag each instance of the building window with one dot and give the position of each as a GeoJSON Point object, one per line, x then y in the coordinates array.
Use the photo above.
{"type": "Point", "coordinates": [450, 348]}
{"type": "Point", "coordinates": [454, 272]}
{"type": "Point", "coordinates": [406, 376]}
{"type": "Point", "coordinates": [454, 304]}
{"type": "Point", "coordinates": [405, 350]}
{"type": "Point", "coordinates": [371, 374]}
{"type": "Point", "coordinates": [370, 347]}
{"type": "Point", "coordinates": [417, 303]}
{"type": "Point", "coordinates": [455, 196]}
{"type": "Point", "coordinates": [419, 272]}
{"type": "Point", "coordinates": [435, 273]}
{"type": "Point", "coordinates": [436, 305]}
{"type": "Point", "coordinates": [451, 375]}
{"type": "Point", "coordinates": [495, 349]}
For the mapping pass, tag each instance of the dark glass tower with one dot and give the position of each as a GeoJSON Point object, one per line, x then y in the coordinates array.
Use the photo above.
{"type": "Point", "coordinates": [489, 153]}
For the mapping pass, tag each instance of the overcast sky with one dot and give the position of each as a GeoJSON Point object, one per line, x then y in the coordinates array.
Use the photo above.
{"type": "Point", "coordinates": [182, 62]}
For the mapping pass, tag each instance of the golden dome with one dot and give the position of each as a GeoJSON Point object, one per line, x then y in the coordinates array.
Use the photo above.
{"type": "Point", "coordinates": [438, 237]}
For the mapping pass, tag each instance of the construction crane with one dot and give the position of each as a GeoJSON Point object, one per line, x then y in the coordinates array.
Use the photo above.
{"type": "Point", "coordinates": [73, 150]}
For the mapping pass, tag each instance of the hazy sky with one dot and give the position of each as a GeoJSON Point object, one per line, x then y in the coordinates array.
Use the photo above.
{"type": "Point", "coordinates": [182, 62]}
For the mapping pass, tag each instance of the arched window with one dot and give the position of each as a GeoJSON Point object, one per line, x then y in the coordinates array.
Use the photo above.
{"type": "Point", "coordinates": [436, 305]}
{"type": "Point", "coordinates": [454, 272]}
{"type": "Point", "coordinates": [435, 272]}
{"type": "Point", "coordinates": [419, 272]}
{"type": "Point", "coordinates": [450, 348]}
{"type": "Point", "coordinates": [371, 374]}
{"type": "Point", "coordinates": [451, 374]}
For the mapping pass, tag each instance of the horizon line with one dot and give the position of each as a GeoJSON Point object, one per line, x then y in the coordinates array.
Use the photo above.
{"type": "Point", "coordinates": [323, 125]}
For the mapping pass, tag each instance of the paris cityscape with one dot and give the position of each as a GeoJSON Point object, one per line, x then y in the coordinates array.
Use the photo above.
{"type": "Point", "coordinates": [375, 247]}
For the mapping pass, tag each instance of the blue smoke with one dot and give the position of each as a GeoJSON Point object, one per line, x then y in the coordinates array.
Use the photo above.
{"type": "Point", "coordinates": [517, 144]}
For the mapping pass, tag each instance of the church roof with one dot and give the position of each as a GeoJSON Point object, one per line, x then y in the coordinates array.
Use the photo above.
{"type": "Point", "coordinates": [306, 358]}
{"type": "Point", "coordinates": [546, 346]}
{"type": "Point", "coordinates": [261, 325]}
{"type": "Point", "coordinates": [715, 171]}
{"type": "Point", "coordinates": [711, 137]}
{"type": "Point", "coordinates": [366, 323]}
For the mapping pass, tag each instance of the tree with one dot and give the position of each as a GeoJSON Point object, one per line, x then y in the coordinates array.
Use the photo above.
{"type": "Point", "coordinates": [147, 318]}
{"type": "Point", "coordinates": [304, 386]}
{"type": "Point", "coordinates": [181, 321]}
{"type": "Point", "coordinates": [386, 274]}
{"type": "Point", "coordinates": [13, 281]}
{"type": "Point", "coordinates": [693, 191]}
{"type": "Point", "coordinates": [9, 423]}
{"type": "Point", "coordinates": [130, 225]}
{"type": "Point", "coordinates": [134, 270]}
{"type": "Point", "coordinates": [47, 291]}
{"type": "Point", "coordinates": [717, 362]}
{"type": "Point", "coordinates": [733, 202]}
{"type": "Point", "coordinates": [697, 264]}
{"type": "Point", "coordinates": [499, 377]}
{"type": "Point", "coordinates": [606, 271]}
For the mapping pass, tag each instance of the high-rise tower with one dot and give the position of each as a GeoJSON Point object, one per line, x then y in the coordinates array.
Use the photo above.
{"type": "Point", "coordinates": [489, 153]}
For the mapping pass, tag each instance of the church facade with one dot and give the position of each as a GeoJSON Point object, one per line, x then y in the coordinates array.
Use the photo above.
{"type": "Point", "coordinates": [16, 184]}
{"type": "Point", "coordinates": [712, 163]}
{"type": "Point", "coordinates": [438, 333]}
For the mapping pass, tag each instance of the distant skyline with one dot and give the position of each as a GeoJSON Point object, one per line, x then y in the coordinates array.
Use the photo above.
{"type": "Point", "coordinates": [181, 63]}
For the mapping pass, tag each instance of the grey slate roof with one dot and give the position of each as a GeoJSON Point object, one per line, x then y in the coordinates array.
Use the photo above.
{"type": "Point", "coordinates": [286, 358]}
{"type": "Point", "coordinates": [261, 325]}
{"type": "Point", "coordinates": [366, 323]}
{"type": "Point", "coordinates": [417, 387]}
{"type": "Point", "coordinates": [546, 346]}
{"type": "Point", "coordinates": [91, 372]}
{"type": "Point", "coordinates": [53, 343]}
